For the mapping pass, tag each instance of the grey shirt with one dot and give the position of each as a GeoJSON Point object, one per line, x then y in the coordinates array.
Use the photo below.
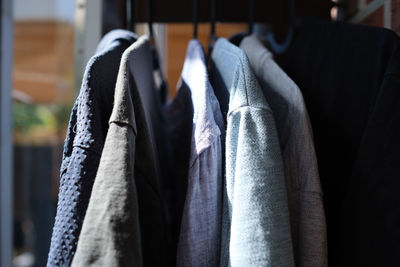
{"type": "Point", "coordinates": [256, 226]}
{"type": "Point", "coordinates": [306, 210]}
{"type": "Point", "coordinates": [199, 240]}
{"type": "Point", "coordinates": [125, 223]}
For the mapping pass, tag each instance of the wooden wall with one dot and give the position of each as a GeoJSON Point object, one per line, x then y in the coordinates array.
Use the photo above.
{"type": "Point", "coordinates": [44, 60]}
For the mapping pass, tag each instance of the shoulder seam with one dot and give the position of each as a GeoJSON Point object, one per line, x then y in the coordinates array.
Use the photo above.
{"type": "Point", "coordinates": [267, 109]}
{"type": "Point", "coordinates": [122, 123]}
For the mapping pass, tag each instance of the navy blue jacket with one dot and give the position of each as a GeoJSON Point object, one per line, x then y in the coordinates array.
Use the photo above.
{"type": "Point", "coordinates": [84, 143]}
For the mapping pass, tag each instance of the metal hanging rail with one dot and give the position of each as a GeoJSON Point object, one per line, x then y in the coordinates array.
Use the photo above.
{"type": "Point", "coordinates": [228, 11]}
{"type": "Point", "coordinates": [6, 181]}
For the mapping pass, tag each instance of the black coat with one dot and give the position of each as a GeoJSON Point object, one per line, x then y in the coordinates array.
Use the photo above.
{"type": "Point", "coordinates": [350, 79]}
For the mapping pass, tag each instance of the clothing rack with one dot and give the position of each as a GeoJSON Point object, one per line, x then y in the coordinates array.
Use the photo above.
{"type": "Point", "coordinates": [178, 11]}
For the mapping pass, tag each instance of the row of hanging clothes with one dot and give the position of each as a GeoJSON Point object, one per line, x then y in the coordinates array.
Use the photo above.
{"type": "Point", "coordinates": [269, 155]}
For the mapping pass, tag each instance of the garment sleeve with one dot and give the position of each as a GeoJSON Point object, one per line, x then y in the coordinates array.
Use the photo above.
{"type": "Point", "coordinates": [199, 240]}
{"type": "Point", "coordinates": [75, 184]}
{"type": "Point", "coordinates": [78, 170]}
{"type": "Point", "coordinates": [256, 198]}
{"type": "Point", "coordinates": [306, 207]}
{"type": "Point", "coordinates": [110, 234]}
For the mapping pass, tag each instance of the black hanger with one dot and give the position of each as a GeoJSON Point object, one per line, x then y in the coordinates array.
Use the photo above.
{"type": "Point", "coordinates": [251, 17]}
{"type": "Point", "coordinates": [212, 19]}
{"type": "Point", "coordinates": [150, 18]}
{"type": "Point", "coordinates": [280, 48]}
{"type": "Point", "coordinates": [163, 88]}
{"type": "Point", "coordinates": [195, 17]}
{"type": "Point", "coordinates": [130, 15]}
{"type": "Point", "coordinates": [237, 38]}
{"type": "Point", "coordinates": [212, 37]}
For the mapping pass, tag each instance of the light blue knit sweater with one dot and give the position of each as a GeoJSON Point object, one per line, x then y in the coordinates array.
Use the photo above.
{"type": "Point", "coordinates": [256, 227]}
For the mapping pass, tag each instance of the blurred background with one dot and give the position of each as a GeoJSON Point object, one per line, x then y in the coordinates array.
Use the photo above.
{"type": "Point", "coordinates": [43, 94]}
{"type": "Point", "coordinates": [48, 35]}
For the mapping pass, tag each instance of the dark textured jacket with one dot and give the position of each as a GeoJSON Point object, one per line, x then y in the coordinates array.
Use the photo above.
{"type": "Point", "coordinates": [125, 223]}
{"type": "Point", "coordinates": [350, 79]}
{"type": "Point", "coordinates": [84, 143]}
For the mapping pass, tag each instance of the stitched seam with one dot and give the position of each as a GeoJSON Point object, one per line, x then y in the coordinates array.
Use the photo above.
{"type": "Point", "coordinates": [202, 151]}
{"type": "Point", "coordinates": [122, 123]}
{"type": "Point", "coordinates": [250, 107]}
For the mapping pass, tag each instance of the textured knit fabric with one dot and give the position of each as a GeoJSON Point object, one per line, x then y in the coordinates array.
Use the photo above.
{"type": "Point", "coordinates": [84, 143]}
{"type": "Point", "coordinates": [199, 240]}
{"type": "Point", "coordinates": [350, 79]}
{"type": "Point", "coordinates": [307, 217]}
{"type": "Point", "coordinates": [256, 224]}
{"type": "Point", "coordinates": [125, 221]}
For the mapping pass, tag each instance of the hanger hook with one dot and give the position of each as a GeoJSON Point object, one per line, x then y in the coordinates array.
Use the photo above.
{"type": "Point", "coordinates": [212, 19]}
{"type": "Point", "coordinates": [131, 4]}
{"type": "Point", "coordinates": [150, 17]}
{"type": "Point", "coordinates": [212, 38]}
{"type": "Point", "coordinates": [195, 17]}
{"type": "Point", "coordinates": [280, 48]}
{"type": "Point", "coordinates": [251, 17]}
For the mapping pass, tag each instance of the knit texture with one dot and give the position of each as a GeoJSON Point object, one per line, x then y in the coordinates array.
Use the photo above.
{"type": "Point", "coordinates": [125, 223]}
{"type": "Point", "coordinates": [307, 217]}
{"type": "Point", "coordinates": [84, 144]}
{"type": "Point", "coordinates": [256, 226]}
